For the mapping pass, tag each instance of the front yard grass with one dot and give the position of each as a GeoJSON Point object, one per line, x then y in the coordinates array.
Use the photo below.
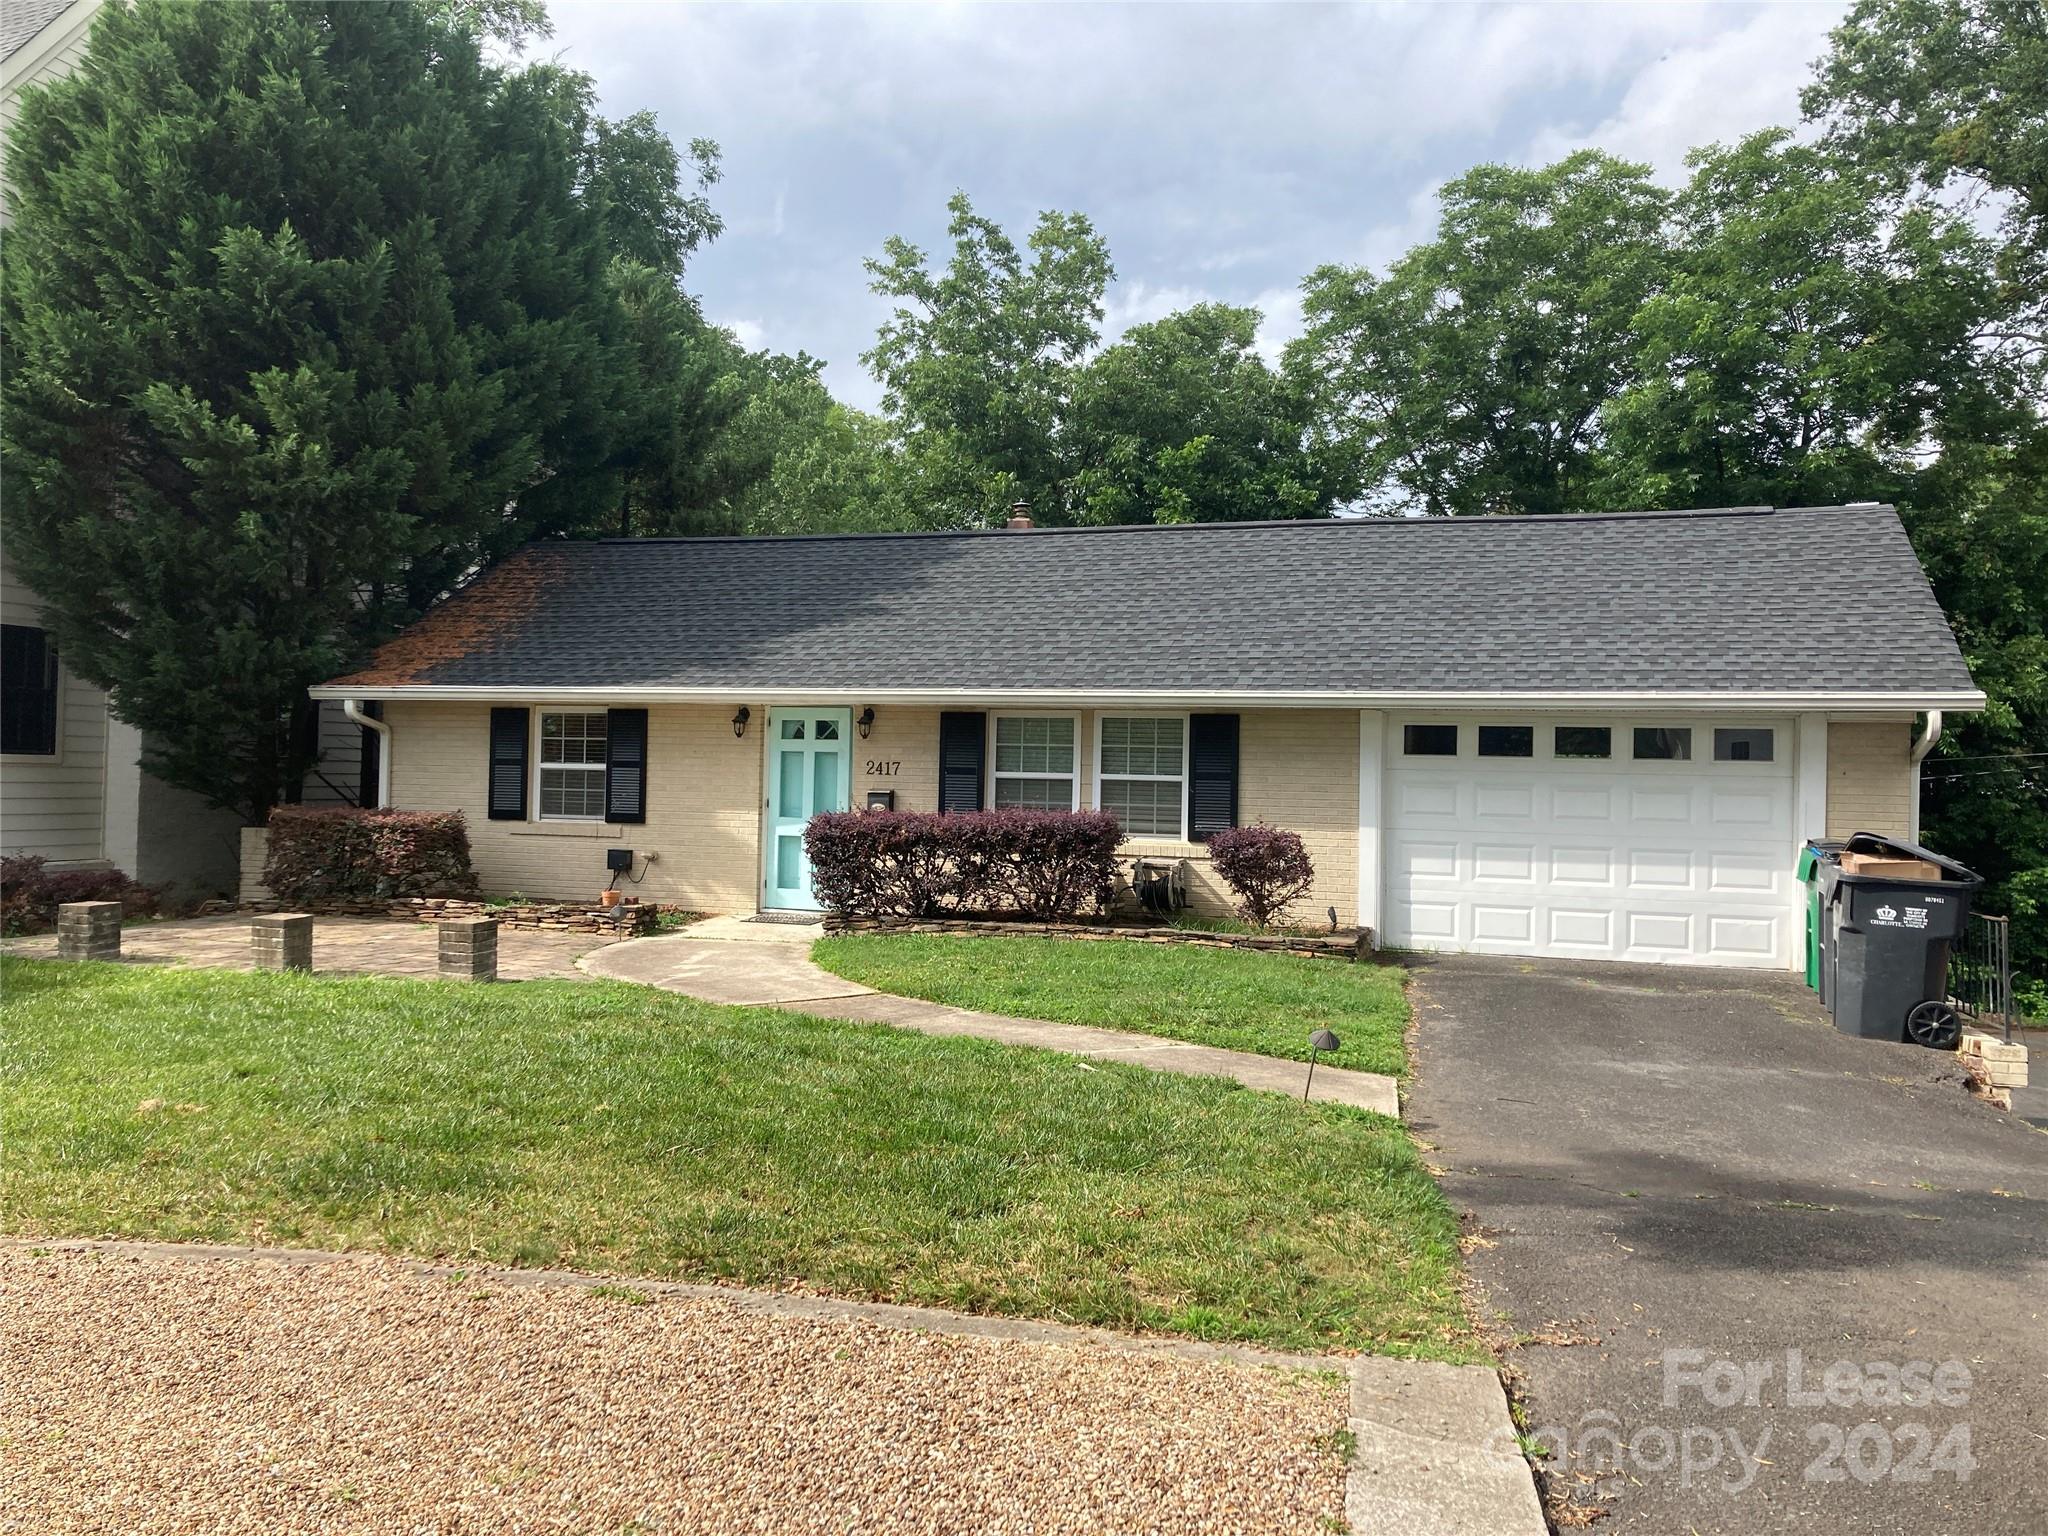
{"type": "Point", "coordinates": [1240, 999]}
{"type": "Point", "coordinates": [614, 1128]}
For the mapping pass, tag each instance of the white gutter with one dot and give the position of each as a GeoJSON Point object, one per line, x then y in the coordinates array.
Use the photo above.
{"type": "Point", "coordinates": [353, 708]}
{"type": "Point", "coordinates": [1720, 701]}
{"type": "Point", "coordinates": [1922, 745]}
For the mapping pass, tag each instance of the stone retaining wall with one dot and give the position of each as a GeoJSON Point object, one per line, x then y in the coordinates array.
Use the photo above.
{"type": "Point", "coordinates": [633, 920]}
{"type": "Point", "coordinates": [1344, 944]}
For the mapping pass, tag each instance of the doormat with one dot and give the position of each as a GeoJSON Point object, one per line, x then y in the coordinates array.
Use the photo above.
{"type": "Point", "coordinates": [793, 919]}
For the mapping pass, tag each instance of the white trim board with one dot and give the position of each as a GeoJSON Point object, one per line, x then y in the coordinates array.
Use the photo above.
{"type": "Point", "coordinates": [1718, 701]}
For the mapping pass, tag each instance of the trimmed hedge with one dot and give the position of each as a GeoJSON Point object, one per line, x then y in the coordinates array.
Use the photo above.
{"type": "Point", "coordinates": [1039, 864]}
{"type": "Point", "coordinates": [30, 893]}
{"type": "Point", "coordinates": [1266, 868]}
{"type": "Point", "coordinates": [354, 855]}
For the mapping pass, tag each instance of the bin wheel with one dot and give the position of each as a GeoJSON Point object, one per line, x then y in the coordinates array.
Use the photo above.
{"type": "Point", "coordinates": [1934, 1025]}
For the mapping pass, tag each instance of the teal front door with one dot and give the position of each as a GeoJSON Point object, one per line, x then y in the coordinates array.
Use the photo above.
{"type": "Point", "coordinates": [810, 769]}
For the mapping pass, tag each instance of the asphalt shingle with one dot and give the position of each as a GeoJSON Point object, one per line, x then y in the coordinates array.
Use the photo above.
{"type": "Point", "coordinates": [1826, 599]}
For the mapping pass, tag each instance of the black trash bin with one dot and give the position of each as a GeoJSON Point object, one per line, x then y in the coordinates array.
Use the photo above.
{"type": "Point", "coordinates": [1887, 940]}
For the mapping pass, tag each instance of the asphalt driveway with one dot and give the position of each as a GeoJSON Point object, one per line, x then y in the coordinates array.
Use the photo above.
{"type": "Point", "coordinates": [1688, 1198]}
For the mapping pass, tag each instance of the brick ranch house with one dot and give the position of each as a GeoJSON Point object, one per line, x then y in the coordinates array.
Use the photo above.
{"type": "Point", "coordinates": [1590, 736]}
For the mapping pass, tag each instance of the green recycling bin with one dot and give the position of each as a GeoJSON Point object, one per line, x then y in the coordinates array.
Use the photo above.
{"type": "Point", "coordinates": [1811, 857]}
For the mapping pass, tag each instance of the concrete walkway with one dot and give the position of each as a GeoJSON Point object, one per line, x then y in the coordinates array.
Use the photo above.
{"type": "Point", "coordinates": [753, 963]}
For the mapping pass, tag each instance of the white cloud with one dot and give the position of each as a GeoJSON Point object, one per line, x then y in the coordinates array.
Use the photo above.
{"type": "Point", "coordinates": [752, 334]}
{"type": "Point", "coordinates": [1717, 89]}
{"type": "Point", "coordinates": [1224, 151]}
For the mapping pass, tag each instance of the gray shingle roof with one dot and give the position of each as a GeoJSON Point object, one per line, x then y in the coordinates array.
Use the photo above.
{"type": "Point", "coordinates": [21, 20]}
{"type": "Point", "coordinates": [1826, 600]}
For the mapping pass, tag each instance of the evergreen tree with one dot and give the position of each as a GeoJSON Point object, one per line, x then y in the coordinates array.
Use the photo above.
{"type": "Point", "coordinates": [307, 316]}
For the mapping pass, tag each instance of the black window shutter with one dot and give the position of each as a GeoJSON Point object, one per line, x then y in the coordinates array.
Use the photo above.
{"type": "Point", "coordinates": [508, 765]}
{"type": "Point", "coordinates": [1212, 774]}
{"type": "Point", "coordinates": [625, 765]}
{"type": "Point", "coordinates": [963, 746]}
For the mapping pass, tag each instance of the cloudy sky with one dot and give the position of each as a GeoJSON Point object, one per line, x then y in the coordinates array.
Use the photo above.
{"type": "Point", "coordinates": [1223, 150]}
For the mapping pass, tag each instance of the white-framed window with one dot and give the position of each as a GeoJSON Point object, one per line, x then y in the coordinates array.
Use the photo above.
{"type": "Point", "coordinates": [1033, 762]}
{"type": "Point", "coordinates": [569, 767]}
{"type": "Point", "coordinates": [1141, 773]}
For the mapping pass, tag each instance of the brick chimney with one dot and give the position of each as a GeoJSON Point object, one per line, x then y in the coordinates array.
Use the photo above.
{"type": "Point", "coordinates": [1020, 515]}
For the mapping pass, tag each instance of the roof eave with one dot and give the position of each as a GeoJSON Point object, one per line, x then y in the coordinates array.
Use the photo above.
{"type": "Point", "coordinates": [1715, 700]}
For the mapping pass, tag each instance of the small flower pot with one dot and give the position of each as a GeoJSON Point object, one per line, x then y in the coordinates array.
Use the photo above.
{"type": "Point", "coordinates": [610, 898]}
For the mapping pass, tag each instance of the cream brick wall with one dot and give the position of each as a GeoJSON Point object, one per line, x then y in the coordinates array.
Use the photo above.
{"type": "Point", "coordinates": [1297, 769]}
{"type": "Point", "coordinates": [703, 808]}
{"type": "Point", "coordinates": [1870, 778]}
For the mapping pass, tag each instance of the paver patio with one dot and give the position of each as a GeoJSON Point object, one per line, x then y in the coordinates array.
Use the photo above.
{"type": "Point", "coordinates": [362, 946]}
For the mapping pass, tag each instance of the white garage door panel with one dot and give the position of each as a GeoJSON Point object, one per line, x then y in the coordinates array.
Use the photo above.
{"type": "Point", "coordinates": [1674, 861]}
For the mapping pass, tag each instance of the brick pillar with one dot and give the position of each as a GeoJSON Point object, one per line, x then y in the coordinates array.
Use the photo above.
{"type": "Point", "coordinates": [281, 941]}
{"type": "Point", "coordinates": [89, 930]}
{"type": "Point", "coordinates": [469, 948]}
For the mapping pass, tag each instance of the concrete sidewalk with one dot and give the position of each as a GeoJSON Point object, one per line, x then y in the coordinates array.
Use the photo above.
{"type": "Point", "coordinates": [742, 962]}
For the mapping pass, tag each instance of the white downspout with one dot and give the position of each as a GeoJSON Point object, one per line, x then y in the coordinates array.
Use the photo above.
{"type": "Point", "coordinates": [1922, 745]}
{"type": "Point", "coordinates": [353, 708]}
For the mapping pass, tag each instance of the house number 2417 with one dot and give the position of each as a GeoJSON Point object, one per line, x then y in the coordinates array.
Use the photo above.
{"type": "Point", "coordinates": [883, 767]}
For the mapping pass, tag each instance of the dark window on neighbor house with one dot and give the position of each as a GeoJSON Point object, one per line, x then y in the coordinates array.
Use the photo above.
{"type": "Point", "coordinates": [1740, 745]}
{"type": "Point", "coordinates": [1507, 741]}
{"type": "Point", "coordinates": [1582, 741]}
{"type": "Point", "coordinates": [28, 692]}
{"type": "Point", "coordinates": [1657, 743]}
{"type": "Point", "coordinates": [1429, 740]}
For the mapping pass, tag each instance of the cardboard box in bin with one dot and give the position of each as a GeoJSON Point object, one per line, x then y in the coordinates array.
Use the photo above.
{"type": "Point", "coordinates": [1884, 868]}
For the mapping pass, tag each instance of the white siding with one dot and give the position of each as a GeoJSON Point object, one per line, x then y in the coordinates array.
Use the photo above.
{"type": "Point", "coordinates": [56, 806]}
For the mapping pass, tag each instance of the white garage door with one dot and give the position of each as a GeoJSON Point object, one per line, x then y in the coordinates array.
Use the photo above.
{"type": "Point", "coordinates": [1595, 839]}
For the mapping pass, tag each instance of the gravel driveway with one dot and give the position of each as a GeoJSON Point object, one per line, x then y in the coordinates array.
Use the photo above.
{"type": "Point", "coordinates": [149, 1394]}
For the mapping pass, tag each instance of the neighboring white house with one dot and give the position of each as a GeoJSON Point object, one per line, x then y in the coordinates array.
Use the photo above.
{"type": "Point", "coordinates": [71, 786]}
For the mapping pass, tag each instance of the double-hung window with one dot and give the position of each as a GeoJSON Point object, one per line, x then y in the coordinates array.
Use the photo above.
{"type": "Point", "coordinates": [28, 692]}
{"type": "Point", "coordinates": [1034, 763]}
{"type": "Point", "coordinates": [572, 755]}
{"type": "Point", "coordinates": [1142, 773]}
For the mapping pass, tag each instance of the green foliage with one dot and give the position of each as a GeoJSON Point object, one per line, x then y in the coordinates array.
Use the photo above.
{"type": "Point", "coordinates": [1181, 421]}
{"type": "Point", "coordinates": [1471, 377]}
{"type": "Point", "coordinates": [1979, 520]}
{"type": "Point", "coordinates": [312, 311]}
{"type": "Point", "coordinates": [1945, 90]}
{"type": "Point", "coordinates": [978, 362]}
{"type": "Point", "coordinates": [994, 399]}
{"type": "Point", "coordinates": [1811, 334]}
{"type": "Point", "coordinates": [621, 1129]}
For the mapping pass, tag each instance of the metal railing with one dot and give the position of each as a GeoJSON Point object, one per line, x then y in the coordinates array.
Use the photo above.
{"type": "Point", "coordinates": [1980, 973]}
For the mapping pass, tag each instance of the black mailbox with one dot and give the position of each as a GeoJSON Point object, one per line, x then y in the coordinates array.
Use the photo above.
{"type": "Point", "coordinates": [881, 799]}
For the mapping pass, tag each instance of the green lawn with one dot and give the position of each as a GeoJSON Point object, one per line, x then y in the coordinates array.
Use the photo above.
{"type": "Point", "coordinates": [616, 1128]}
{"type": "Point", "coordinates": [1240, 999]}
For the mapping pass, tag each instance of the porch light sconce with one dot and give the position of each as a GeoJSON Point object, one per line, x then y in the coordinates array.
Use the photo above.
{"type": "Point", "coordinates": [740, 719]}
{"type": "Point", "coordinates": [866, 722]}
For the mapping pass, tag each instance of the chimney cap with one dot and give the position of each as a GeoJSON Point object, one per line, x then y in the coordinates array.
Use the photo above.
{"type": "Point", "coordinates": [1020, 515]}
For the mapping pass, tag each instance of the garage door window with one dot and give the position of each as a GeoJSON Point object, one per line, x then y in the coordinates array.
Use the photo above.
{"type": "Point", "coordinates": [1429, 740]}
{"type": "Point", "coordinates": [1583, 741]}
{"type": "Point", "coordinates": [1656, 743]}
{"type": "Point", "coordinates": [1742, 745]}
{"type": "Point", "coordinates": [1507, 741]}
